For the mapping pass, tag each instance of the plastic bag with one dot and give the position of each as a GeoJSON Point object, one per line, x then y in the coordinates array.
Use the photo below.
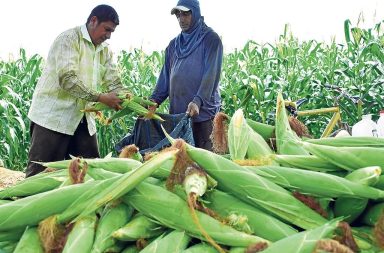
{"type": "Point", "coordinates": [148, 136]}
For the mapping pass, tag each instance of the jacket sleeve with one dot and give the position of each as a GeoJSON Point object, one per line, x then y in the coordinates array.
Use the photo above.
{"type": "Point", "coordinates": [67, 59]}
{"type": "Point", "coordinates": [161, 91]}
{"type": "Point", "coordinates": [213, 57]}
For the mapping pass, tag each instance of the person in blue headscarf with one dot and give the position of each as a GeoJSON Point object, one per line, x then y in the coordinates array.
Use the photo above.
{"type": "Point", "coordinates": [191, 72]}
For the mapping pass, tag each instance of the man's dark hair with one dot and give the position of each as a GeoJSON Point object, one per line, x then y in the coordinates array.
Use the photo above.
{"type": "Point", "coordinates": [104, 13]}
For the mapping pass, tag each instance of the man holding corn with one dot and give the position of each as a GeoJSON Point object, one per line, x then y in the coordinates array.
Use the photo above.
{"type": "Point", "coordinates": [78, 70]}
{"type": "Point", "coordinates": [191, 72]}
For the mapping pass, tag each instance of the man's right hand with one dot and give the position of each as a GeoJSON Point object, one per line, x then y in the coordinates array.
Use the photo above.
{"type": "Point", "coordinates": [111, 99]}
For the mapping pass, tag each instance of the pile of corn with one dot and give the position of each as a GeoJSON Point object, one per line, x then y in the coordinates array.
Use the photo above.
{"type": "Point", "coordinates": [300, 196]}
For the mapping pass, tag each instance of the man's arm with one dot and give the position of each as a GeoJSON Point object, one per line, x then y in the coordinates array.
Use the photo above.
{"type": "Point", "coordinates": [161, 91]}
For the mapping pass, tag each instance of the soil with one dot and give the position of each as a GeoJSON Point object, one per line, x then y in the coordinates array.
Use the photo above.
{"type": "Point", "coordinates": [10, 177]}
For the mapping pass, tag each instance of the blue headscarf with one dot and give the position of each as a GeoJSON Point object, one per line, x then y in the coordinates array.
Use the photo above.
{"type": "Point", "coordinates": [188, 41]}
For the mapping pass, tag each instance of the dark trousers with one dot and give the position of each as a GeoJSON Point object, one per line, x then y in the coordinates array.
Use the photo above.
{"type": "Point", "coordinates": [201, 134]}
{"type": "Point", "coordinates": [48, 146]}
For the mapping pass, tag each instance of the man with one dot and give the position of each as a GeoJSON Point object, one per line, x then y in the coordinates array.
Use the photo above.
{"type": "Point", "coordinates": [78, 70]}
{"type": "Point", "coordinates": [191, 72]}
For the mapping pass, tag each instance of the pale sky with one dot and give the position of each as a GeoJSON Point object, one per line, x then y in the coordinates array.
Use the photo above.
{"type": "Point", "coordinates": [147, 24]}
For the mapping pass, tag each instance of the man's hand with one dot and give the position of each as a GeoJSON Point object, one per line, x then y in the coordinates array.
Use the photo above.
{"type": "Point", "coordinates": [111, 99]}
{"type": "Point", "coordinates": [192, 110]}
{"type": "Point", "coordinates": [153, 108]}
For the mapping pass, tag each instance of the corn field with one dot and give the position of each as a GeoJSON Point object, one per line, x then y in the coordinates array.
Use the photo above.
{"type": "Point", "coordinates": [250, 79]}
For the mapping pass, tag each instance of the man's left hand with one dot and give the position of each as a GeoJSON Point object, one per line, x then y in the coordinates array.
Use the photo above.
{"type": "Point", "coordinates": [192, 110]}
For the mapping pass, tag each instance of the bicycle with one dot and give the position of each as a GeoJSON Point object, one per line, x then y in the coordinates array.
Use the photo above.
{"type": "Point", "coordinates": [293, 109]}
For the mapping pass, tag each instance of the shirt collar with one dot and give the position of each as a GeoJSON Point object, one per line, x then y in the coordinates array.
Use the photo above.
{"type": "Point", "coordinates": [87, 37]}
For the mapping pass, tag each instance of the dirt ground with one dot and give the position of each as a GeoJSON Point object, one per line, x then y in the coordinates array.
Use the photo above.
{"type": "Point", "coordinates": [10, 177]}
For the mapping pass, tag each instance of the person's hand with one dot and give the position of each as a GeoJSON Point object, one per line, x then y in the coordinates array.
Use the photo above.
{"type": "Point", "coordinates": [192, 110]}
{"type": "Point", "coordinates": [152, 108]}
{"type": "Point", "coordinates": [111, 99]}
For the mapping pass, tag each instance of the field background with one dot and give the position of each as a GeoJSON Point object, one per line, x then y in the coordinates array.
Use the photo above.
{"type": "Point", "coordinates": [250, 79]}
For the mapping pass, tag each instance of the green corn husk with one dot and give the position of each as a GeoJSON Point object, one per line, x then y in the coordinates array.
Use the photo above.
{"type": "Point", "coordinates": [316, 183]}
{"type": "Point", "coordinates": [258, 148]}
{"type": "Point", "coordinates": [22, 212]}
{"type": "Point", "coordinates": [129, 106]}
{"type": "Point", "coordinates": [303, 242]}
{"type": "Point", "coordinates": [112, 218]}
{"type": "Point", "coordinates": [36, 184]}
{"type": "Point", "coordinates": [174, 242]}
{"type": "Point", "coordinates": [2, 202]}
{"type": "Point", "coordinates": [80, 239]}
{"type": "Point", "coordinates": [265, 130]}
{"type": "Point", "coordinates": [237, 250]}
{"type": "Point", "coordinates": [286, 138]}
{"type": "Point", "coordinates": [139, 227]}
{"type": "Point", "coordinates": [127, 182]}
{"type": "Point", "coordinates": [11, 235]}
{"type": "Point", "coordinates": [380, 183]}
{"type": "Point", "coordinates": [95, 107]}
{"type": "Point", "coordinates": [372, 214]}
{"type": "Point", "coordinates": [349, 141]}
{"type": "Point", "coordinates": [238, 136]}
{"type": "Point", "coordinates": [351, 208]}
{"type": "Point", "coordinates": [263, 225]}
{"type": "Point", "coordinates": [119, 165]}
{"type": "Point", "coordinates": [7, 246]}
{"type": "Point", "coordinates": [255, 189]}
{"type": "Point", "coordinates": [131, 249]}
{"type": "Point", "coordinates": [30, 242]}
{"type": "Point", "coordinates": [348, 158]}
{"type": "Point", "coordinates": [308, 162]}
{"type": "Point", "coordinates": [200, 248]}
{"type": "Point", "coordinates": [143, 101]}
{"type": "Point", "coordinates": [173, 212]}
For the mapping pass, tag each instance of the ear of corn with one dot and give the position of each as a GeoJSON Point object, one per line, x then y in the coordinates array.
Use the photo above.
{"type": "Point", "coordinates": [127, 182]}
{"type": "Point", "coordinates": [199, 248]}
{"type": "Point", "coordinates": [308, 162]}
{"type": "Point", "coordinates": [29, 242]}
{"type": "Point", "coordinates": [265, 130]}
{"type": "Point", "coordinates": [22, 212]}
{"type": "Point", "coordinates": [255, 189]}
{"type": "Point", "coordinates": [258, 147]}
{"type": "Point", "coordinates": [175, 241]}
{"type": "Point", "coordinates": [349, 141]}
{"type": "Point", "coordinates": [316, 183]}
{"type": "Point", "coordinates": [11, 235]}
{"type": "Point", "coordinates": [303, 242]}
{"type": "Point", "coordinates": [173, 212]}
{"type": "Point", "coordinates": [32, 185]}
{"type": "Point", "coordinates": [349, 158]}
{"type": "Point", "coordinates": [131, 249]}
{"type": "Point", "coordinates": [80, 239]}
{"type": "Point", "coordinates": [264, 225]}
{"type": "Point", "coordinates": [286, 138]}
{"type": "Point", "coordinates": [139, 227]}
{"type": "Point", "coordinates": [372, 214]}
{"type": "Point", "coordinates": [238, 136]}
{"type": "Point", "coordinates": [112, 218]}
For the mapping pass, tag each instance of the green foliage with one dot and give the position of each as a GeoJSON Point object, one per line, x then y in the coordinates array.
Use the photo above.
{"type": "Point", "coordinates": [250, 79]}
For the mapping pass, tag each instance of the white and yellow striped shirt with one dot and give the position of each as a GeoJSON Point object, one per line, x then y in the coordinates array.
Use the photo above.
{"type": "Point", "coordinates": [75, 73]}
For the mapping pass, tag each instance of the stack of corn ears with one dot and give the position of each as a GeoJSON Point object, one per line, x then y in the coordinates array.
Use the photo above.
{"type": "Point", "coordinates": [319, 195]}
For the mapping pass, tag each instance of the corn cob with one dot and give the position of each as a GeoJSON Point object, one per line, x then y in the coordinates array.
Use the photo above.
{"type": "Point", "coordinates": [316, 183]}
{"type": "Point", "coordinates": [119, 165]}
{"type": "Point", "coordinates": [348, 158]}
{"type": "Point", "coordinates": [303, 242]}
{"type": "Point", "coordinates": [22, 212]}
{"type": "Point", "coordinates": [80, 239]}
{"type": "Point", "coordinates": [172, 211]}
{"type": "Point", "coordinates": [265, 130]}
{"type": "Point", "coordinates": [308, 162]}
{"type": "Point", "coordinates": [199, 248]}
{"type": "Point", "coordinates": [32, 185]}
{"type": "Point", "coordinates": [349, 141]}
{"type": "Point", "coordinates": [254, 189]}
{"type": "Point", "coordinates": [113, 218]}
{"type": "Point", "coordinates": [175, 241]}
{"type": "Point", "coordinates": [138, 227]}
{"type": "Point", "coordinates": [286, 139]}
{"type": "Point", "coordinates": [238, 136]}
{"type": "Point", "coordinates": [29, 242]}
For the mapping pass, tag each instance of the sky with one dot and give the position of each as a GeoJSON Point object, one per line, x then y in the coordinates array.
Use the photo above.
{"type": "Point", "coordinates": [148, 24]}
